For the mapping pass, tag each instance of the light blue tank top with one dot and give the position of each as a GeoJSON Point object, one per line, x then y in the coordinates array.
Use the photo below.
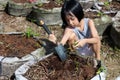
{"type": "Point", "coordinates": [84, 34]}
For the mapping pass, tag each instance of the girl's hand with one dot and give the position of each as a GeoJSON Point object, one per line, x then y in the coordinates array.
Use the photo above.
{"type": "Point", "coordinates": [79, 43]}
{"type": "Point", "coordinates": [52, 38]}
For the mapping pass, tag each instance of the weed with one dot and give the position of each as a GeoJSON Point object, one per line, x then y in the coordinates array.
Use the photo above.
{"type": "Point", "coordinates": [100, 13]}
{"type": "Point", "coordinates": [77, 64]}
{"type": "Point", "coordinates": [59, 2]}
{"type": "Point", "coordinates": [30, 33]}
{"type": "Point", "coordinates": [107, 4]}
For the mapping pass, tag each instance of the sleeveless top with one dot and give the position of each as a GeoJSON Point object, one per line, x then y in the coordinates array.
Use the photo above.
{"type": "Point", "coordinates": [85, 50]}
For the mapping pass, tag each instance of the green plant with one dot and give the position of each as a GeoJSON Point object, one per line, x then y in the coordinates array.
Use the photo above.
{"type": "Point", "coordinates": [59, 2]}
{"type": "Point", "coordinates": [30, 32]}
{"type": "Point", "coordinates": [100, 13]}
{"type": "Point", "coordinates": [37, 45]}
{"type": "Point", "coordinates": [39, 4]}
{"type": "Point", "coordinates": [77, 64]}
{"type": "Point", "coordinates": [107, 4]}
{"type": "Point", "coordinates": [101, 69]}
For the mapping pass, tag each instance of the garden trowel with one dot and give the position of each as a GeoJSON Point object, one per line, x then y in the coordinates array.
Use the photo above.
{"type": "Point", "coordinates": [59, 49]}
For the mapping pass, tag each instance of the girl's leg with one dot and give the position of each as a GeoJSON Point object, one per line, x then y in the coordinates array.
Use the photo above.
{"type": "Point", "coordinates": [96, 48]}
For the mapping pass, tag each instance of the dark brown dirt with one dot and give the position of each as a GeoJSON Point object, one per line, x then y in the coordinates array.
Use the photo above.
{"type": "Point", "coordinates": [114, 6]}
{"type": "Point", "coordinates": [20, 1]}
{"type": "Point", "coordinates": [16, 45]}
{"type": "Point", "coordinates": [51, 68]}
{"type": "Point", "coordinates": [52, 4]}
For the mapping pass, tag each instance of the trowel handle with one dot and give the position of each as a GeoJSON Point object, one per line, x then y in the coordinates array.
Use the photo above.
{"type": "Point", "coordinates": [45, 27]}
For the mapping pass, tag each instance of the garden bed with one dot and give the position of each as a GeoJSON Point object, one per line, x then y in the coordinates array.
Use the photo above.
{"type": "Point", "coordinates": [16, 45]}
{"type": "Point", "coordinates": [51, 67]}
{"type": "Point", "coordinates": [15, 50]}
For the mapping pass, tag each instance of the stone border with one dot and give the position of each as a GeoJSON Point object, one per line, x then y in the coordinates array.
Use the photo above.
{"type": "Point", "coordinates": [50, 16]}
{"type": "Point", "coordinates": [19, 9]}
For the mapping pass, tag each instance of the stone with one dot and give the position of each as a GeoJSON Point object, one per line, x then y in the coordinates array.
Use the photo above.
{"type": "Point", "coordinates": [1, 28]}
{"type": "Point", "coordinates": [117, 17]}
{"type": "Point", "coordinates": [19, 9]}
{"type": "Point", "coordinates": [115, 33]}
{"type": "Point", "coordinates": [102, 24]}
{"type": "Point", "coordinates": [49, 16]}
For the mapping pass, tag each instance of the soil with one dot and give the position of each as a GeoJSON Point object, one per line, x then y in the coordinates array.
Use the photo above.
{"type": "Point", "coordinates": [113, 6]}
{"type": "Point", "coordinates": [12, 45]}
{"type": "Point", "coordinates": [52, 4]}
{"type": "Point", "coordinates": [51, 68]}
{"type": "Point", "coordinates": [20, 1]}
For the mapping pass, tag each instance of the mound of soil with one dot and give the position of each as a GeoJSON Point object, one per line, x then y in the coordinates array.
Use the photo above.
{"type": "Point", "coordinates": [52, 4]}
{"type": "Point", "coordinates": [51, 68]}
{"type": "Point", "coordinates": [16, 45]}
{"type": "Point", "coordinates": [20, 1]}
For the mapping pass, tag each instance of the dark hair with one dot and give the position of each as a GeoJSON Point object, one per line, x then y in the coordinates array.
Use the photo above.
{"type": "Point", "coordinates": [71, 6]}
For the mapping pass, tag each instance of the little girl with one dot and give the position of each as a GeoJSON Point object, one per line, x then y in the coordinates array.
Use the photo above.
{"type": "Point", "coordinates": [79, 32]}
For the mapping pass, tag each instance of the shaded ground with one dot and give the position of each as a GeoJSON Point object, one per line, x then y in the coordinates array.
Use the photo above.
{"type": "Point", "coordinates": [111, 58]}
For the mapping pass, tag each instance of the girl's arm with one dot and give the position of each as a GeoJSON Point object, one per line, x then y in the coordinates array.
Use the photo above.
{"type": "Point", "coordinates": [66, 36]}
{"type": "Point", "coordinates": [94, 36]}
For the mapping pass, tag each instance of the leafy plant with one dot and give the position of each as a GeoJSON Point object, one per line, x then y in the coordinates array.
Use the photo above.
{"type": "Point", "coordinates": [59, 2]}
{"type": "Point", "coordinates": [39, 4]}
{"type": "Point", "coordinates": [107, 4]}
{"type": "Point", "coordinates": [29, 32]}
{"type": "Point", "coordinates": [77, 64]}
{"type": "Point", "coordinates": [101, 69]}
{"type": "Point", "coordinates": [100, 13]}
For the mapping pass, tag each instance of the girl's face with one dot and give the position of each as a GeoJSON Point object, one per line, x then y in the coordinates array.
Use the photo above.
{"type": "Point", "coordinates": [72, 20]}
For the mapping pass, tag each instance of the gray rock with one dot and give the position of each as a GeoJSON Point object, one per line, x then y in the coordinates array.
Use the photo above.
{"type": "Point", "coordinates": [49, 16]}
{"type": "Point", "coordinates": [115, 33]}
{"type": "Point", "coordinates": [3, 4]}
{"type": "Point", "coordinates": [86, 4]}
{"type": "Point", "coordinates": [102, 24]}
{"type": "Point", "coordinates": [1, 28]}
{"type": "Point", "coordinates": [117, 17]}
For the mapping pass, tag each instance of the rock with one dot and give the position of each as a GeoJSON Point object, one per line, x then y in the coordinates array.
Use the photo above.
{"type": "Point", "coordinates": [117, 17]}
{"type": "Point", "coordinates": [102, 24]}
{"type": "Point", "coordinates": [115, 33]}
{"type": "Point", "coordinates": [2, 7]}
{"type": "Point", "coordinates": [49, 16]}
{"type": "Point", "coordinates": [1, 28]}
{"type": "Point", "coordinates": [86, 4]}
{"type": "Point", "coordinates": [3, 4]}
{"type": "Point", "coordinates": [19, 9]}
